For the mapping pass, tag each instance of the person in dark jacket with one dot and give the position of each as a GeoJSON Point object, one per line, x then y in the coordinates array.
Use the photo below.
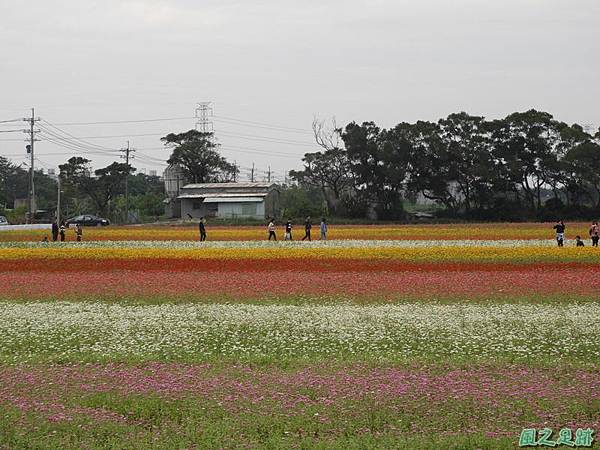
{"type": "Point", "coordinates": [594, 234]}
{"type": "Point", "coordinates": [202, 227]}
{"type": "Point", "coordinates": [62, 231]}
{"type": "Point", "coordinates": [54, 231]}
{"type": "Point", "coordinates": [307, 228]}
{"type": "Point", "coordinates": [560, 233]}
{"type": "Point", "coordinates": [288, 231]}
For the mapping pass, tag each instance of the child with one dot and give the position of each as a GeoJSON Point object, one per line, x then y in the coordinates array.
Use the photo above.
{"type": "Point", "coordinates": [288, 231]}
{"type": "Point", "coordinates": [45, 239]}
{"type": "Point", "coordinates": [271, 229]}
{"type": "Point", "coordinates": [78, 232]}
{"type": "Point", "coordinates": [579, 242]}
{"type": "Point", "coordinates": [62, 232]}
{"type": "Point", "coordinates": [323, 229]}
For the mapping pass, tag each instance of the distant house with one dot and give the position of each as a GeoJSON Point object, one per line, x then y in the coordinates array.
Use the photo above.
{"type": "Point", "coordinates": [229, 200]}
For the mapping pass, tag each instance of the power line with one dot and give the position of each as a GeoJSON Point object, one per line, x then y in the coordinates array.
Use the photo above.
{"type": "Point", "coordinates": [250, 122]}
{"type": "Point", "coordinates": [253, 137]}
{"type": "Point", "coordinates": [125, 121]}
{"type": "Point", "coordinates": [91, 144]}
{"type": "Point", "coordinates": [78, 148]}
{"type": "Point", "coordinates": [11, 120]}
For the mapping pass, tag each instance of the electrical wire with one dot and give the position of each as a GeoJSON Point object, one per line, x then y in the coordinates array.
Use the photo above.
{"type": "Point", "coordinates": [266, 127]}
{"type": "Point", "coordinates": [74, 137]}
{"type": "Point", "coordinates": [250, 122]}
{"type": "Point", "coordinates": [253, 137]}
{"type": "Point", "coordinates": [125, 121]}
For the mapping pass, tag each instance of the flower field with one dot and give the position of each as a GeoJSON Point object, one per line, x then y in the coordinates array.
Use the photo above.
{"type": "Point", "coordinates": [490, 231]}
{"type": "Point", "coordinates": [383, 337]}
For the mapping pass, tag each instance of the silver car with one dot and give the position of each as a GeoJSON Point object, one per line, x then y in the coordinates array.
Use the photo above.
{"type": "Point", "coordinates": [3, 221]}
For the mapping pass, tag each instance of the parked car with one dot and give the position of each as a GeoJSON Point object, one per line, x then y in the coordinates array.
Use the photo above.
{"type": "Point", "coordinates": [3, 221]}
{"type": "Point", "coordinates": [87, 220]}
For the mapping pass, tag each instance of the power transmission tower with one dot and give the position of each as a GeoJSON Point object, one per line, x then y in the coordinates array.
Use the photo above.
{"type": "Point", "coordinates": [126, 157]}
{"type": "Point", "coordinates": [204, 111]}
{"type": "Point", "coordinates": [31, 191]}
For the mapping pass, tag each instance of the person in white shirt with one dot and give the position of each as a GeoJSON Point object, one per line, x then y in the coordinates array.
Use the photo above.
{"type": "Point", "coordinates": [271, 229]}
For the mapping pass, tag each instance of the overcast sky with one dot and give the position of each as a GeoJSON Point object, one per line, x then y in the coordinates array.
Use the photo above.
{"type": "Point", "coordinates": [280, 63]}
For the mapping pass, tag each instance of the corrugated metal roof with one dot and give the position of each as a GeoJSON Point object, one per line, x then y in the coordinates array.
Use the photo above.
{"type": "Point", "coordinates": [224, 195]}
{"type": "Point", "coordinates": [227, 185]}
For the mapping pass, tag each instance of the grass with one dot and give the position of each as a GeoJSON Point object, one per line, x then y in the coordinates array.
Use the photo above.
{"type": "Point", "coordinates": [218, 417]}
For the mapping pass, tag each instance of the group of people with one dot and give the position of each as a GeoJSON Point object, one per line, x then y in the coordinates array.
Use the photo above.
{"type": "Point", "coordinates": [272, 228]}
{"type": "Point", "coordinates": [560, 228]}
{"type": "Point", "coordinates": [287, 236]}
{"type": "Point", "coordinates": [59, 231]}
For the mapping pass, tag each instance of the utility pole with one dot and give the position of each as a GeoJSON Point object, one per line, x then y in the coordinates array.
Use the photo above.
{"type": "Point", "coordinates": [31, 191]}
{"type": "Point", "coordinates": [252, 176]}
{"type": "Point", "coordinates": [235, 171]}
{"type": "Point", "coordinates": [126, 157]}
{"type": "Point", "coordinates": [269, 174]}
{"type": "Point", "coordinates": [58, 202]}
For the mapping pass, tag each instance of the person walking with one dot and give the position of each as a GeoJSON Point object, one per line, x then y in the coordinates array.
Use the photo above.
{"type": "Point", "coordinates": [288, 231]}
{"type": "Point", "coordinates": [62, 232]}
{"type": "Point", "coordinates": [54, 231]}
{"type": "Point", "coordinates": [560, 233]}
{"type": "Point", "coordinates": [78, 232]}
{"type": "Point", "coordinates": [594, 233]}
{"type": "Point", "coordinates": [323, 229]}
{"type": "Point", "coordinates": [271, 229]}
{"type": "Point", "coordinates": [307, 228]}
{"type": "Point", "coordinates": [202, 227]}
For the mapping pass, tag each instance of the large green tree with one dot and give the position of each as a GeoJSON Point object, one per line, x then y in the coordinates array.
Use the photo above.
{"type": "Point", "coordinates": [329, 171]}
{"type": "Point", "coordinates": [197, 154]}
{"type": "Point", "coordinates": [526, 145]}
{"type": "Point", "coordinates": [101, 189]}
{"type": "Point", "coordinates": [379, 162]}
{"type": "Point", "coordinates": [583, 166]}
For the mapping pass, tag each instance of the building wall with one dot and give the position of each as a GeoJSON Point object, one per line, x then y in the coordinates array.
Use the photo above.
{"type": "Point", "coordinates": [224, 210]}
{"type": "Point", "coordinates": [187, 208]}
{"type": "Point", "coordinates": [255, 210]}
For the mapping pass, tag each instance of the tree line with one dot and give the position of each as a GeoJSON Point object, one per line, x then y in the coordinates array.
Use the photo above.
{"type": "Point", "coordinates": [84, 191]}
{"type": "Point", "coordinates": [527, 165]}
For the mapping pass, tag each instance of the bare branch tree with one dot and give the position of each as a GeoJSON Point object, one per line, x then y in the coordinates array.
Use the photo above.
{"type": "Point", "coordinates": [327, 136]}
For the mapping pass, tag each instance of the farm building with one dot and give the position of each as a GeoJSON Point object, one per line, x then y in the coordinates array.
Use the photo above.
{"type": "Point", "coordinates": [229, 200]}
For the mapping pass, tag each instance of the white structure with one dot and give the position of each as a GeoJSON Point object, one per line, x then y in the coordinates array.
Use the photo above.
{"type": "Point", "coordinates": [229, 200]}
{"type": "Point", "coordinates": [174, 180]}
